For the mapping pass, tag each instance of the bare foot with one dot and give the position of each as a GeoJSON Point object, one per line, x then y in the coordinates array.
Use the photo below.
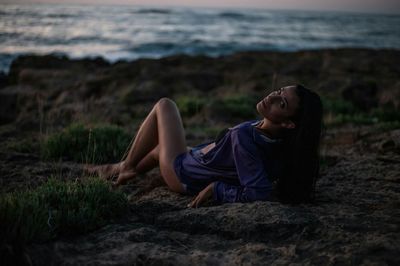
{"type": "Point", "coordinates": [105, 171]}
{"type": "Point", "coordinates": [124, 177]}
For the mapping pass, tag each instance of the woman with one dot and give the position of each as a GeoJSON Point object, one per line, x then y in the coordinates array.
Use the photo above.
{"type": "Point", "coordinates": [243, 163]}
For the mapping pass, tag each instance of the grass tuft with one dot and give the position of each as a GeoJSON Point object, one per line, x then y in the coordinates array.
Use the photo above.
{"type": "Point", "coordinates": [58, 208]}
{"type": "Point", "coordinates": [338, 112]}
{"type": "Point", "coordinates": [189, 105]}
{"type": "Point", "coordinates": [99, 144]}
{"type": "Point", "coordinates": [237, 106]}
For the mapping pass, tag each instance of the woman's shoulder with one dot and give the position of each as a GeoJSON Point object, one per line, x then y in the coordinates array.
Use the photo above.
{"type": "Point", "coordinates": [248, 133]}
{"type": "Point", "coordinates": [244, 132]}
{"type": "Point", "coordinates": [246, 125]}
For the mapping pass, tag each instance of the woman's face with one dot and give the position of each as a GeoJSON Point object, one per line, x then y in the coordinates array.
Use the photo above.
{"type": "Point", "coordinates": [279, 106]}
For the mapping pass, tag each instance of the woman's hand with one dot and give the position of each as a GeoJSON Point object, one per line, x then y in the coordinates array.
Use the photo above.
{"type": "Point", "coordinates": [202, 196]}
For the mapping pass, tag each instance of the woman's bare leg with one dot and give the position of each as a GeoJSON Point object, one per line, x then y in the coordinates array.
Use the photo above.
{"type": "Point", "coordinates": [144, 142]}
{"type": "Point", "coordinates": [172, 142]}
{"type": "Point", "coordinates": [162, 129]}
{"type": "Point", "coordinates": [150, 161]}
{"type": "Point", "coordinates": [160, 139]}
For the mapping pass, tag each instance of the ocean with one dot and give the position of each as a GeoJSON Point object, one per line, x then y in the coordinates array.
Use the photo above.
{"type": "Point", "coordinates": [131, 32]}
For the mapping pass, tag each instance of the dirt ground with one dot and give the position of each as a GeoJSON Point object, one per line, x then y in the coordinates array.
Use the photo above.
{"type": "Point", "coordinates": [354, 221]}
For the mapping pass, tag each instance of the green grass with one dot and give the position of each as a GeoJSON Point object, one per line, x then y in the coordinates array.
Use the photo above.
{"type": "Point", "coordinates": [58, 208]}
{"type": "Point", "coordinates": [338, 112]}
{"type": "Point", "coordinates": [238, 106]}
{"type": "Point", "coordinates": [363, 119]}
{"type": "Point", "coordinates": [190, 105]}
{"type": "Point", "coordinates": [99, 144]}
{"type": "Point", "coordinates": [26, 145]}
{"type": "Point", "coordinates": [357, 119]}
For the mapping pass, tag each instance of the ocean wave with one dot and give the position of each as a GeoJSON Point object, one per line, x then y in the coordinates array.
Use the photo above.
{"type": "Point", "coordinates": [134, 32]}
{"type": "Point", "coordinates": [198, 47]}
{"type": "Point", "coordinates": [152, 11]}
{"type": "Point", "coordinates": [94, 39]}
{"type": "Point", "coordinates": [63, 16]}
{"type": "Point", "coordinates": [37, 14]}
{"type": "Point", "coordinates": [32, 40]}
{"type": "Point", "coordinates": [238, 16]}
{"type": "Point", "coordinates": [232, 15]}
{"type": "Point", "coordinates": [4, 36]}
{"type": "Point", "coordinates": [156, 47]}
{"type": "Point", "coordinates": [4, 13]}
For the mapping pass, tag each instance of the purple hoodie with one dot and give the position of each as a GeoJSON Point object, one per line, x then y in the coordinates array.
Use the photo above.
{"type": "Point", "coordinates": [242, 164]}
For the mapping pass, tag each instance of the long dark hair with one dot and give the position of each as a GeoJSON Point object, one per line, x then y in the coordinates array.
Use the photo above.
{"type": "Point", "coordinates": [301, 150]}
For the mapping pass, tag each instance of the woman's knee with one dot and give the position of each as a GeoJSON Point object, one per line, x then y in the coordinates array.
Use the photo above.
{"type": "Point", "coordinates": [166, 103]}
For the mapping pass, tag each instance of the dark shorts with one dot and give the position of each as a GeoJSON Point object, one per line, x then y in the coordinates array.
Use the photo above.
{"type": "Point", "coordinates": [189, 172]}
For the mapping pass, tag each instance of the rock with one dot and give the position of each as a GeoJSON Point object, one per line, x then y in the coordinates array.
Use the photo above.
{"type": "Point", "coordinates": [52, 63]}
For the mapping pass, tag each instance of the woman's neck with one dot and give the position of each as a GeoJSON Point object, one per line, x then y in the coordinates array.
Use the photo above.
{"type": "Point", "coordinates": [269, 129]}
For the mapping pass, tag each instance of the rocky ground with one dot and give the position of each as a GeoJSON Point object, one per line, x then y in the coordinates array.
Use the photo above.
{"type": "Point", "coordinates": [355, 219]}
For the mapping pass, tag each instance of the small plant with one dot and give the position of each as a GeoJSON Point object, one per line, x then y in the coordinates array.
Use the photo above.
{"type": "Point", "coordinates": [58, 208]}
{"type": "Point", "coordinates": [236, 106]}
{"type": "Point", "coordinates": [339, 112]}
{"type": "Point", "coordinates": [357, 119]}
{"type": "Point", "coordinates": [99, 144]}
{"type": "Point", "coordinates": [26, 145]}
{"type": "Point", "coordinates": [189, 106]}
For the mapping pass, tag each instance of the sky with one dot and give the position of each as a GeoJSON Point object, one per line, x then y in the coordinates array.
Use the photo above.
{"type": "Point", "coordinates": [392, 6]}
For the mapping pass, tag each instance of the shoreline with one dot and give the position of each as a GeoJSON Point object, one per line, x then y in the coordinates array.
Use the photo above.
{"type": "Point", "coordinates": [6, 70]}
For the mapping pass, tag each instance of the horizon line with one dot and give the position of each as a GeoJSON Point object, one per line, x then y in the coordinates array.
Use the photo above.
{"type": "Point", "coordinates": [155, 6]}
